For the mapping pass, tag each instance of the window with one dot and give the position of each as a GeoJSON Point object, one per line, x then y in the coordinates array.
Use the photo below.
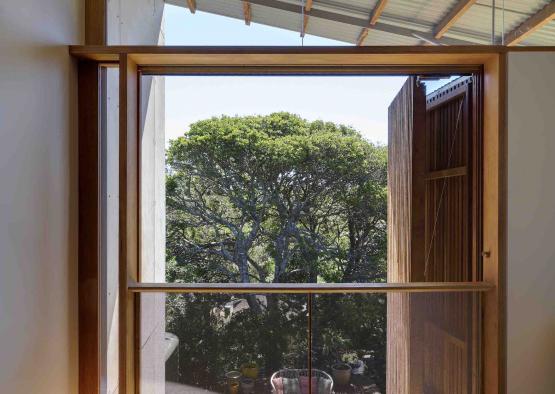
{"type": "Point", "coordinates": [437, 194]}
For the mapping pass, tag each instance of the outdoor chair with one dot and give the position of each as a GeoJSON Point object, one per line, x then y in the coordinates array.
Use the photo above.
{"type": "Point", "coordinates": [295, 381]}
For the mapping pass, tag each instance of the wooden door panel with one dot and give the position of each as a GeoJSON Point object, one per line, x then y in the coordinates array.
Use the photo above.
{"type": "Point", "coordinates": [432, 344]}
{"type": "Point", "coordinates": [405, 250]}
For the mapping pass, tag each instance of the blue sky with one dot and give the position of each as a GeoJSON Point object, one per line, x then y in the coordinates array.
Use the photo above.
{"type": "Point", "coordinates": [360, 102]}
{"type": "Point", "coordinates": [200, 28]}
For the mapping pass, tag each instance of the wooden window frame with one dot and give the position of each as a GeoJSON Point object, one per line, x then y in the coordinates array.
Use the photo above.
{"type": "Point", "coordinates": [134, 61]}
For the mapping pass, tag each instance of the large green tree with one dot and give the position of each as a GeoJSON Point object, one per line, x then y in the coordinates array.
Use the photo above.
{"type": "Point", "coordinates": [274, 198]}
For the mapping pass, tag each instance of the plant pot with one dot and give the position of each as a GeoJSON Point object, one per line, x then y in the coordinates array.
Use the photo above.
{"type": "Point", "coordinates": [357, 368]}
{"type": "Point", "coordinates": [341, 374]}
{"type": "Point", "coordinates": [233, 378]}
{"type": "Point", "coordinates": [247, 385]}
{"type": "Point", "coordinates": [249, 371]}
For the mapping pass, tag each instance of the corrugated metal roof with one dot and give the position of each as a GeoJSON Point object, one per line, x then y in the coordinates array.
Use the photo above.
{"type": "Point", "coordinates": [403, 22]}
{"type": "Point", "coordinates": [544, 36]}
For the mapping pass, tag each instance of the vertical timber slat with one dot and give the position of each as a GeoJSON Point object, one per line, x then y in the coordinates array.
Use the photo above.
{"type": "Point", "coordinates": [495, 224]}
{"type": "Point", "coordinates": [89, 228]}
{"type": "Point", "coordinates": [128, 220]}
{"type": "Point", "coordinates": [89, 259]}
{"type": "Point", "coordinates": [96, 30]}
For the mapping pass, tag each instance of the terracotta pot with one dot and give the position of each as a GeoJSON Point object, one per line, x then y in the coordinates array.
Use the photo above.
{"type": "Point", "coordinates": [341, 374]}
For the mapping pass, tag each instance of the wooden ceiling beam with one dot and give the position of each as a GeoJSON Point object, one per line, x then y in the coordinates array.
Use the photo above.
{"type": "Point", "coordinates": [362, 36]}
{"type": "Point", "coordinates": [192, 4]}
{"type": "Point", "coordinates": [247, 12]}
{"type": "Point", "coordinates": [452, 16]}
{"type": "Point", "coordinates": [377, 12]}
{"type": "Point", "coordinates": [307, 7]}
{"type": "Point", "coordinates": [374, 16]}
{"type": "Point", "coordinates": [530, 25]}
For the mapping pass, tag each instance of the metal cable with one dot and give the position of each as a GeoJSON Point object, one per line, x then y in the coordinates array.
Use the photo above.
{"type": "Point", "coordinates": [493, 22]}
{"type": "Point", "coordinates": [302, 22]}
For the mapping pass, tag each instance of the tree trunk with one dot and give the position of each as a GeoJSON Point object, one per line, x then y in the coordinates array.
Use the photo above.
{"type": "Point", "coordinates": [242, 261]}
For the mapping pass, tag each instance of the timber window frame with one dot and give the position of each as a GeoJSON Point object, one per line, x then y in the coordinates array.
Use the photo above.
{"type": "Point", "coordinates": [136, 61]}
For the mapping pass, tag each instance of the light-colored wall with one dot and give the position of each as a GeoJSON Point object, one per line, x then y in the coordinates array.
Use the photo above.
{"type": "Point", "coordinates": [531, 223]}
{"type": "Point", "coordinates": [38, 196]}
{"type": "Point", "coordinates": [138, 22]}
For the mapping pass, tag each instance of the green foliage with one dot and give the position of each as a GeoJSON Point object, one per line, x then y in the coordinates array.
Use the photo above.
{"type": "Point", "coordinates": [274, 198]}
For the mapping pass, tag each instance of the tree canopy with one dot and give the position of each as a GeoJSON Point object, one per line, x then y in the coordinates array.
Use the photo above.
{"type": "Point", "coordinates": [275, 198]}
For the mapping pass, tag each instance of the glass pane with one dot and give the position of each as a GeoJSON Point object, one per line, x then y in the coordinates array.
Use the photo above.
{"type": "Point", "coordinates": [400, 342]}
{"type": "Point", "coordinates": [359, 343]}
{"type": "Point", "coordinates": [286, 192]}
{"type": "Point", "coordinates": [351, 328]}
{"type": "Point", "coordinates": [220, 342]}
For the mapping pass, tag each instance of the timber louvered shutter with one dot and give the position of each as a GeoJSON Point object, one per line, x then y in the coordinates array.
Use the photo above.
{"type": "Point", "coordinates": [450, 351]}
{"type": "Point", "coordinates": [433, 184]}
{"type": "Point", "coordinates": [432, 236]}
{"type": "Point", "coordinates": [451, 238]}
{"type": "Point", "coordinates": [405, 228]}
{"type": "Point", "coordinates": [406, 166]}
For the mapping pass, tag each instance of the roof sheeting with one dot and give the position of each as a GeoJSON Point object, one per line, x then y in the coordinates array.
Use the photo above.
{"type": "Point", "coordinates": [403, 22]}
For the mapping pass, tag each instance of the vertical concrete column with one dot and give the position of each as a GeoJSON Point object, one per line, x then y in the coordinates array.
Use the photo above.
{"type": "Point", "coordinates": [139, 22]}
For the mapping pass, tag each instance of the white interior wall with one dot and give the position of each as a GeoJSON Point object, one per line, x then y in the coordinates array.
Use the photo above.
{"type": "Point", "coordinates": [38, 196]}
{"type": "Point", "coordinates": [531, 223]}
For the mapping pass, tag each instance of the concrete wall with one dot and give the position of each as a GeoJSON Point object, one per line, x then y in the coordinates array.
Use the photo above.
{"type": "Point", "coordinates": [531, 227]}
{"type": "Point", "coordinates": [136, 22]}
{"type": "Point", "coordinates": [110, 235]}
{"type": "Point", "coordinates": [38, 196]}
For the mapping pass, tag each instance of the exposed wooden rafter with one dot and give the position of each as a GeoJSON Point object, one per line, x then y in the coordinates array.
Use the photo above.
{"type": "Point", "coordinates": [377, 12]}
{"type": "Point", "coordinates": [247, 12]}
{"type": "Point", "coordinates": [362, 36]}
{"type": "Point", "coordinates": [326, 15]}
{"type": "Point", "coordinates": [192, 4]}
{"type": "Point", "coordinates": [307, 8]}
{"type": "Point", "coordinates": [452, 16]}
{"type": "Point", "coordinates": [374, 16]}
{"type": "Point", "coordinates": [530, 25]}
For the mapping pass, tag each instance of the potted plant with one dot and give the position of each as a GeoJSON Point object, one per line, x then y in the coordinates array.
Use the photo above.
{"type": "Point", "coordinates": [233, 378]}
{"type": "Point", "coordinates": [341, 373]}
{"type": "Point", "coordinates": [249, 370]}
{"type": "Point", "coordinates": [357, 365]}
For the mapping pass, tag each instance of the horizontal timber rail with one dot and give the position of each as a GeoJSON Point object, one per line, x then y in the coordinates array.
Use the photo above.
{"type": "Point", "coordinates": [447, 173]}
{"type": "Point", "coordinates": [110, 52]}
{"type": "Point", "coordinates": [309, 70]}
{"type": "Point", "coordinates": [310, 288]}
